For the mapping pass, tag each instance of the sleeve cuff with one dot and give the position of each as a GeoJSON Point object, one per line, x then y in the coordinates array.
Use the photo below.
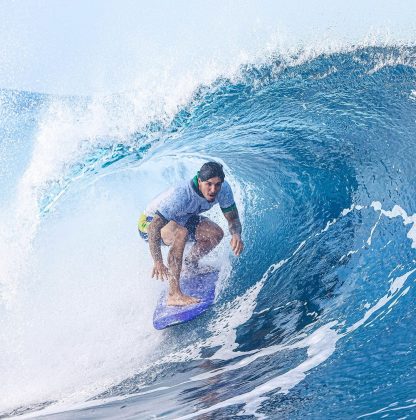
{"type": "Point", "coordinates": [228, 209]}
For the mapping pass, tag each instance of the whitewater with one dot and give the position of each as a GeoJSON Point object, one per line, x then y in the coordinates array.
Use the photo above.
{"type": "Point", "coordinates": [315, 319]}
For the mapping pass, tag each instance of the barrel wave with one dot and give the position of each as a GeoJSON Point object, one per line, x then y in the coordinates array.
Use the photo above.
{"type": "Point", "coordinates": [315, 319]}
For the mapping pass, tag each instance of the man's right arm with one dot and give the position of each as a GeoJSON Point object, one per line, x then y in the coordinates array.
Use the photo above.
{"type": "Point", "coordinates": [155, 237]}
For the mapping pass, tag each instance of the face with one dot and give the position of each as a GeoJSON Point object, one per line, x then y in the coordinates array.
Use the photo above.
{"type": "Point", "coordinates": [210, 188]}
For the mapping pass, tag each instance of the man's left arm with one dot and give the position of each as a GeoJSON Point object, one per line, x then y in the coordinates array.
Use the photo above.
{"type": "Point", "coordinates": [234, 225]}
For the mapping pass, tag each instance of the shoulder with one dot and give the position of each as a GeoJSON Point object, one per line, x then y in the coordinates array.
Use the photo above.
{"type": "Point", "coordinates": [180, 196]}
{"type": "Point", "coordinates": [225, 196]}
{"type": "Point", "coordinates": [226, 190]}
{"type": "Point", "coordinates": [184, 190]}
{"type": "Point", "coordinates": [179, 190]}
{"type": "Point", "coordinates": [171, 196]}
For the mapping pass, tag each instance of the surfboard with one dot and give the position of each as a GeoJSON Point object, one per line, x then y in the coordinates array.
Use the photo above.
{"type": "Point", "coordinates": [193, 284]}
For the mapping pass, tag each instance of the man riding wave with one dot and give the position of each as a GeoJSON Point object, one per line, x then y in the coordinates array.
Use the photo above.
{"type": "Point", "coordinates": [173, 218]}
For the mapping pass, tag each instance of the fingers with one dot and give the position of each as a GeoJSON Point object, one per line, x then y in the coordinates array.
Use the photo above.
{"type": "Point", "coordinates": [237, 246]}
{"type": "Point", "coordinates": [161, 272]}
{"type": "Point", "coordinates": [240, 248]}
{"type": "Point", "coordinates": [165, 274]}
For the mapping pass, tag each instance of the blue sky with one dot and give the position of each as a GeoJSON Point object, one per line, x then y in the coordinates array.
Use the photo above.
{"type": "Point", "coordinates": [96, 46]}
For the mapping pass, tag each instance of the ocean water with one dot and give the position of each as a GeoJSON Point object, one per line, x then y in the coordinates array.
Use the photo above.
{"type": "Point", "coordinates": [315, 319]}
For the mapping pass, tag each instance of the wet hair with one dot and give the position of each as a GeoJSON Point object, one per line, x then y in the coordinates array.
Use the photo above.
{"type": "Point", "coordinates": [211, 170]}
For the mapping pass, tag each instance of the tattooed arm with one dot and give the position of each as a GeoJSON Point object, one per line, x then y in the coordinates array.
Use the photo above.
{"type": "Point", "coordinates": [234, 225]}
{"type": "Point", "coordinates": [155, 238]}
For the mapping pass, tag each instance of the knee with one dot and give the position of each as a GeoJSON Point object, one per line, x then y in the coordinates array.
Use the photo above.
{"type": "Point", "coordinates": [218, 235]}
{"type": "Point", "coordinates": [211, 234]}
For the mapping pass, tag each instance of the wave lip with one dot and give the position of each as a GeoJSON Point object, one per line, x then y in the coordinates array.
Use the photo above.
{"type": "Point", "coordinates": [319, 151]}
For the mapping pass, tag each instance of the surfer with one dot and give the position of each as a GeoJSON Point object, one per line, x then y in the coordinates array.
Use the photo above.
{"type": "Point", "coordinates": [174, 217]}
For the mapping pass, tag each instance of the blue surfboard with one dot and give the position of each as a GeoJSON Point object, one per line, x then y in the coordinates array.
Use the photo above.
{"type": "Point", "coordinates": [198, 285]}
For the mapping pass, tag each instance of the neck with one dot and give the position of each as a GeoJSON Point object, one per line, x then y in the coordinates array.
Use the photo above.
{"type": "Point", "coordinates": [195, 185]}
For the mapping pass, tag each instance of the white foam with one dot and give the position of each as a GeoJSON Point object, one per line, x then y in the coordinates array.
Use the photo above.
{"type": "Point", "coordinates": [67, 132]}
{"type": "Point", "coordinates": [320, 346]}
{"type": "Point", "coordinates": [370, 238]}
{"type": "Point", "coordinates": [395, 406]}
{"type": "Point", "coordinates": [391, 61]}
{"type": "Point", "coordinates": [395, 286]}
{"type": "Point", "coordinates": [398, 211]}
{"type": "Point", "coordinates": [81, 319]}
{"type": "Point", "coordinates": [88, 297]}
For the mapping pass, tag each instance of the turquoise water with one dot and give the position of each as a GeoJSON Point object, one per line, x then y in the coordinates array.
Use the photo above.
{"type": "Point", "coordinates": [315, 319]}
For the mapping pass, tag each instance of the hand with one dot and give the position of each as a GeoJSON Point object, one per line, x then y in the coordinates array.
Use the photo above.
{"type": "Point", "coordinates": [237, 244]}
{"type": "Point", "coordinates": [160, 271]}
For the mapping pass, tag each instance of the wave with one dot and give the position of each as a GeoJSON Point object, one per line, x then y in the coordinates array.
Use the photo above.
{"type": "Point", "coordinates": [318, 147]}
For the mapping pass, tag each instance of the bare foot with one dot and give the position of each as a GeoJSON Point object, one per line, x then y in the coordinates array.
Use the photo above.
{"type": "Point", "coordinates": [181, 300]}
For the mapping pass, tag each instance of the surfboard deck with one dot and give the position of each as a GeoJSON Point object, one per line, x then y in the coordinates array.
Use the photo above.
{"type": "Point", "coordinates": [199, 285]}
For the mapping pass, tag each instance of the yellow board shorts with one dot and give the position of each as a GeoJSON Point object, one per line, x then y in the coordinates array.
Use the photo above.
{"type": "Point", "coordinates": [143, 225]}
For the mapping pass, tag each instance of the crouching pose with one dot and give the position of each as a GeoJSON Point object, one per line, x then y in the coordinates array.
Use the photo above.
{"type": "Point", "coordinates": [174, 217]}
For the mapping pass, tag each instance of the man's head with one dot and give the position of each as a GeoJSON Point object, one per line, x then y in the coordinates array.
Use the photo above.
{"type": "Point", "coordinates": [210, 178]}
